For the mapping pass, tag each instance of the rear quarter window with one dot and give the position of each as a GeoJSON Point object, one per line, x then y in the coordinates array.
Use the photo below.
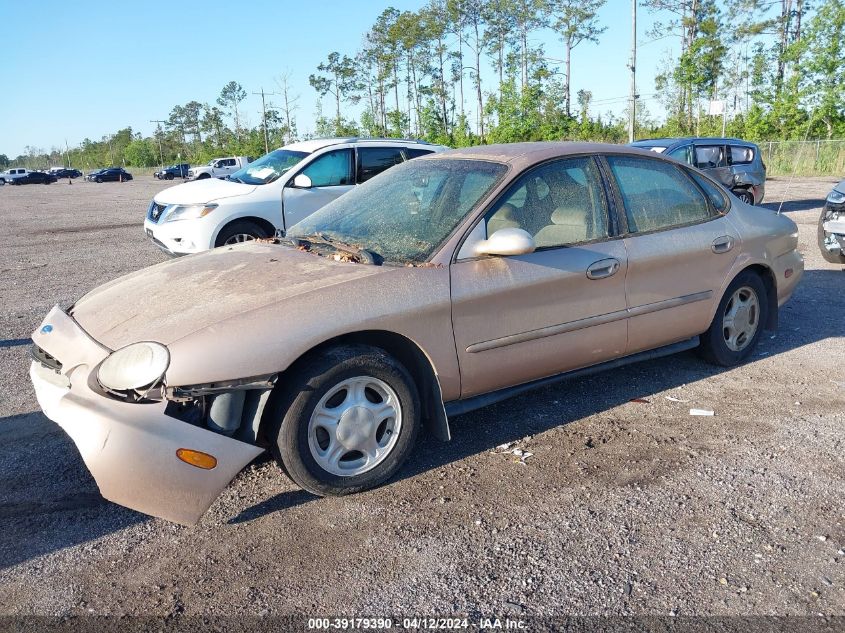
{"type": "Point", "coordinates": [742, 155]}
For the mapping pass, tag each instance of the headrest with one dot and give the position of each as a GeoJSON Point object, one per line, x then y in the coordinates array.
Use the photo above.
{"type": "Point", "coordinates": [568, 215]}
{"type": "Point", "coordinates": [506, 211]}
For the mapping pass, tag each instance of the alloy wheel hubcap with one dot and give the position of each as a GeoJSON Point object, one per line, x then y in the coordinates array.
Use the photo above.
{"type": "Point", "coordinates": [355, 426]}
{"type": "Point", "coordinates": [741, 319]}
{"type": "Point", "coordinates": [238, 238]}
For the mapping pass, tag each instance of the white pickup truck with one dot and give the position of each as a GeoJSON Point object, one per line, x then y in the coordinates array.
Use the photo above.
{"type": "Point", "coordinates": [219, 167]}
{"type": "Point", "coordinates": [11, 175]}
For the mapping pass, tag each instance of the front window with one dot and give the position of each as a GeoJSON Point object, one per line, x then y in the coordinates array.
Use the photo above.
{"type": "Point", "coordinates": [559, 203]}
{"type": "Point", "coordinates": [331, 170]}
{"type": "Point", "coordinates": [406, 213]}
{"type": "Point", "coordinates": [269, 167]}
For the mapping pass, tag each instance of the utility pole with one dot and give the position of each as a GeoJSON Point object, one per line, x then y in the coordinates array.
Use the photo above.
{"type": "Point", "coordinates": [67, 155]}
{"type": "Point", "coordinates": [158, 134]}
{"type": "Point", "coordinates": [632, 115]}
{"type": "Point", "coordinates": [264, 118]}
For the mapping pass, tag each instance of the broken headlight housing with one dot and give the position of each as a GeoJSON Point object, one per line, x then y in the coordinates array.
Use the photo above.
{"type": "Point", "coordinates": [135, 366]}
{"type": "Point", "coordinates": [836, 197]}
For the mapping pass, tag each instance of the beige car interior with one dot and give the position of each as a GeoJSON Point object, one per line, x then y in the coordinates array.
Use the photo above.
{"type": "Point", "coordinates": [553, 208]}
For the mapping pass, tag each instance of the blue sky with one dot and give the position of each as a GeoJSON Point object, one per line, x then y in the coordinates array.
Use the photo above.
{"type": "Point", "coordinates": [77, 69]}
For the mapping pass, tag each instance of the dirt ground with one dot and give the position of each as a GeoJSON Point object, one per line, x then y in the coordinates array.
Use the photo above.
{"type": "Point", "coordinates": [624, 508]}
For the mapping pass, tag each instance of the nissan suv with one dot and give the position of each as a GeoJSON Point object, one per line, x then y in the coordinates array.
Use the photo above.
{"type": "Point", "coordinates": [270, 194]}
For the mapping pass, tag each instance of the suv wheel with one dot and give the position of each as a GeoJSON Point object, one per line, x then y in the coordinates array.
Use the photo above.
{"type": "Point", "coordinates": [349, 421]}
{"type": "Point", "coordinates": [745, 195]}
{"type": "Point", "coordinates": [241, 231]}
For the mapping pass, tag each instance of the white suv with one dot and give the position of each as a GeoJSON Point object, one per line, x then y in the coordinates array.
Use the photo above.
{"type": "Point", "coordinates": [274, 192]}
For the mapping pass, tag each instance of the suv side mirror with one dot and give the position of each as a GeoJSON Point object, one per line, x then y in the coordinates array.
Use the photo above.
{"type": "Point", "coordinates": [302, 182]}
{"type": "Point", "coordinates": [510, 241]}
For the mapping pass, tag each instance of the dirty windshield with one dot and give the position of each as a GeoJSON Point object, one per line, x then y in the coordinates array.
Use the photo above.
{"type": "Point", "coordinates": [404, 214]}
{"type": "Point", "coordinates": [268, 168]}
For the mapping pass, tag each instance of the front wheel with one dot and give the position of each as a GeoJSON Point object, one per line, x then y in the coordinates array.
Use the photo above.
{"type": "Point", "coordinates": [241, 231]}
{"type": "Point", "coordinates": [169, 177]}
{"type": "Point", "coordinates": [348, 421]}
{"type": "Point", "coordinates": [99, 179]}
{"type": "Point", "coordinates": [745, 195]}
{"type": "Point", "coordinates": [825, 239]}
{"type": "Point", "coordinates": [738, 323]}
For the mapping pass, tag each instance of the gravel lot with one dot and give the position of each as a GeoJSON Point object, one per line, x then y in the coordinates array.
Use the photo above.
{"type": "Point", "coordinates": [624, 507]}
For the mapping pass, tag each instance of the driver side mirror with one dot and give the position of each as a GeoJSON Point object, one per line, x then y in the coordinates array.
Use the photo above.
{"type": "Point", "coordinates": [510, 241]}
{"type": "Point", "coordinates": [302, 182]}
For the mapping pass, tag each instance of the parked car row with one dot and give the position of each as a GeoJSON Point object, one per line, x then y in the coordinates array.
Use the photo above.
{"type": "Point", "coordinates": [439, 282]}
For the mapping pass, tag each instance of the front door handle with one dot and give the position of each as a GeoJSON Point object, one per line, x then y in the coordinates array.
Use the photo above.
{"type": "Point", "coordinates": [603, 268]}
{"type": "Point", "coordinates": [722, 244]}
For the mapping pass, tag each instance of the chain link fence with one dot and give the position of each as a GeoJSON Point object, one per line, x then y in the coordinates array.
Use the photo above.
{"type": "Point", "coordinates": [804, 158]}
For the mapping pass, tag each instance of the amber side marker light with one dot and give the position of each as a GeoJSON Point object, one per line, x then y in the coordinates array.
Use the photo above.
{"type": "Point", "coordinates": [197, 458]}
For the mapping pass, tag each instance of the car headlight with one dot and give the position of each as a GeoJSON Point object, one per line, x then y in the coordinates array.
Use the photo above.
{"type": "Point", "coordinates": [134, 366]}
{"type": "Point", "coordinates": [836, 197]}
{"type": "Point", "coordinates": [188, 211]}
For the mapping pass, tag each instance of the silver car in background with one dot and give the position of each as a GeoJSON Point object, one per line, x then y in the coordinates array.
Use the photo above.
{"type": "Point", "coordinates": [736, 164]}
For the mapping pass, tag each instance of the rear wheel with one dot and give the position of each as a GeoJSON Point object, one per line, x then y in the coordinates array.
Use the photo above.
{"type": "Point", "coordinates": [203, 176]}
{"type": "Point", "coordinates": [738, 323]}
{"type": "Point", "coordinates": [348, 421]}
{"type": "Point", "coordinates": [241, 231]}
{"type": "Point", "coordinates": [745, 195]}
{"type": "Point", "coordinates": [825, 238]}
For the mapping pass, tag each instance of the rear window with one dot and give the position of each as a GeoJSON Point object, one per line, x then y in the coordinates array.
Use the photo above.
{"type": "Point", "coordinates": [413, 152]}
{"type": "Point", "coordinates": [741, 155]}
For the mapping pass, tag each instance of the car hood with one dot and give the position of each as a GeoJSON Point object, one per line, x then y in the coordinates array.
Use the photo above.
{"type": "Point", "coordinates": [171, 300]}
{"type": "Point", "coordinates": [202, 191]}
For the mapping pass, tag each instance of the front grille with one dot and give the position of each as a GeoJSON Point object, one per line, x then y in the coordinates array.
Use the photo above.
{"type": "Point", "coordinates": [50, 362]}
{"type": "Point", "coordinates": [155, 211]}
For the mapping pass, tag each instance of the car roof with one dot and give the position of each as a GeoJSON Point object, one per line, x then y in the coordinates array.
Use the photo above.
{"type": "Point", "coordinates": [522, 154]}
{"type": "Point", "coordinates": [669, 142]}
{"type": "Point", "coordinates": [315, 144]}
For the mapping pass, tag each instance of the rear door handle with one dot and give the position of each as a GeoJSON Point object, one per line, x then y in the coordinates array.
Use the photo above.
{"type": "Point", "coordinates": [603, 268]}
{"type": "Point", "coordinates": [722, 244]}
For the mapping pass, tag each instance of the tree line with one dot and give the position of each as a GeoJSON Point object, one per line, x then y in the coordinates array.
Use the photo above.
{"type": "Point", "coordinates": [464, 72]}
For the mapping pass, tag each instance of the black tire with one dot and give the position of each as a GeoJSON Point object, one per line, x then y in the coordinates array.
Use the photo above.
{"type": "Point", "coordinates": [833, 258]}
{"type": "Point", "coordinates": [2, 181]}
{"type": "Point", "coordinates": [313, 378]}
{"type": "Point", "coordinates": [713, 347]}
{"type": "Point", "coordinates": [746, 195]}
{"type": "Point", "coordinates": [169, 176]}
{"type": "Point", "coordinates": [240, 227]}
{"type": "Point", "coordinates": [99, 179]}
{"type": "Point", "coordinates": [203, 176]}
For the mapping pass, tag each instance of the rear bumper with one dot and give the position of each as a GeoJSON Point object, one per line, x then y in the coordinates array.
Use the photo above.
{"type": "Point", "coordinates": [129, 448]}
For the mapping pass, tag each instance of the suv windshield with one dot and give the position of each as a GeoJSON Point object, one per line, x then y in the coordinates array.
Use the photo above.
{"type": "Point", "coordinates": [268, 168]}
{"type": "Point", "coordinates": [405, 213]}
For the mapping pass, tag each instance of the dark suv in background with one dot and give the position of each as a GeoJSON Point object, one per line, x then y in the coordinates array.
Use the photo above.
{"type": "Point", "coordinates": [736, 164]}
{"type": "Point", "coordinates": [169, 173]}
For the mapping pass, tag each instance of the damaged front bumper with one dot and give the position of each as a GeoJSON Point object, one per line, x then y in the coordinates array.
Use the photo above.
{"type": "Point", "coordinates": [129, 447]}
